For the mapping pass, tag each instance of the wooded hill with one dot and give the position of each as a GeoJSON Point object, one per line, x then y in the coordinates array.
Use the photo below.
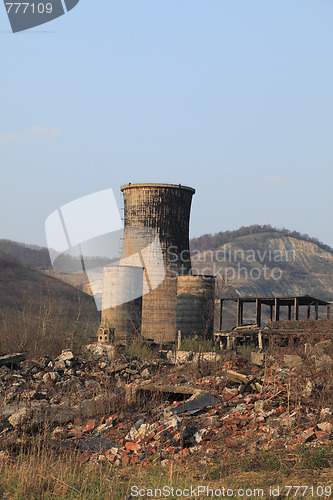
{"type": "Point", "coordinates": [266, 263]}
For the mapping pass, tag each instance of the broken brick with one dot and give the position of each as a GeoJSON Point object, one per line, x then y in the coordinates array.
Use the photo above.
{"type": "Point", "coordinates": [130, 446]}
{"type": "Point", "coordinates": [85, 457]}
{"type": "Point", "coordinates": [90, 425]}
{"type": "Point", "coordinates": [125, 460]}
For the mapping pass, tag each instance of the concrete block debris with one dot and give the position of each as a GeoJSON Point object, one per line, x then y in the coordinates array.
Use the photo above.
{"type": "Point", "coordinates": [174, 411]}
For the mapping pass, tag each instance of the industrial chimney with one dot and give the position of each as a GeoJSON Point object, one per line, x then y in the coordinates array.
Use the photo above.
{"type": "Point", "coordinates": [164, 208]}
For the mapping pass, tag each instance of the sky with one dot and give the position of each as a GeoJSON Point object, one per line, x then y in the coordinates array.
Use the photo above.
{"type": "Point", "coordinates": [231, 97]}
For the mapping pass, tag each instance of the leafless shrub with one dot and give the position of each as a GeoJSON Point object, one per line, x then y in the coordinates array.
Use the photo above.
{"type": "Point", "coordinates": [45, 326]}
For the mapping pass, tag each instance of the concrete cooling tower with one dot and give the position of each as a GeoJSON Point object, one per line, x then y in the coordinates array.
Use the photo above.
{"type": "Point", "coordinates": [164, 208]}
{"type": "Point", "coordinates": [120, 311]}
{"type": "Point", "coordinates": [195, 305]}
{"type": "Point", "coordinates": [156, 252]}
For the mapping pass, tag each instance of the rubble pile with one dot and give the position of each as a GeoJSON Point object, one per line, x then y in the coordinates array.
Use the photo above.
{"type": "Point", "coordinates": [57, 391]}
{"type": "Point", "coordinates": [128, 411]}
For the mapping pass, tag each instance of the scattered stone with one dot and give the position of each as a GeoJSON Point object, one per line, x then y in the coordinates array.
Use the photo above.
{"type": "Point", "coordinates": [18, 418]}
{"type": "Point", "coordinates": [308, 389]}
{"type": "Point", "coordinates": [59, 366]}
{"type": "Point", "coordinates": [292, 361]}
{"type": "Point", "coordinates": [199, 435]}
{"type": "Point", "coordinates": [325, 426]}
{"type": "Point", "coordinates": [69, 372]}
{"type": "Point", "coordinates": [98, 351]}
{"type": "Point", "coordinates": [146, 373]}
{"type": "Point", "coordinates": [259, 405]}
{"type": "Point", "coordinates": [51, 377]}
{"type": "Point", "coordinates": [323, 362]}
{"type": "Point", "coordinates": [326, 412]}
{"type": "Point", "coordinates": [66, 355]}
{"type": "Point", "coordinates": [257, 358]}
{"type": "Point", "coordinates": [77, 404]}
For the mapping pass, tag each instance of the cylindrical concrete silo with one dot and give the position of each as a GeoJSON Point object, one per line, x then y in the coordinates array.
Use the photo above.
{"type": "Point", "coordinates": [164, 208]}
{"type": "Point", "coordinates": [195, 305]}
{"type": "Point", "coordinates": [122, 300]}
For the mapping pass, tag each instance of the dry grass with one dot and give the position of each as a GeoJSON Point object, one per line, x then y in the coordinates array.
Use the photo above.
{"type": "Point", "coordinates": [39, 471]}
{"type": "Point", "coordinates": [44, 474]}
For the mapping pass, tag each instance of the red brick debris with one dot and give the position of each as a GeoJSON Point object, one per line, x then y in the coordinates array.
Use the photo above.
{"type": "Point", "coordinates": [244, 421]}
{"type": "Point", "coordinates": [130, 412]}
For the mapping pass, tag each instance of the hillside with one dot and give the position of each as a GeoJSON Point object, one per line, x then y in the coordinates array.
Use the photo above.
{"type": "Point", "coordinates": [255, 260]}
{"type": "Point", "coordinates": [32, 256]}
{"type": "Point", "coordinates": [19, 283]}
{"type": "Point", "coordinates": [36, 257]}
{"type": "Point", "coordinates": [215, 241]}
{"type": "Point", "coordinates": [265, 263]}
{"type": "Point", "coordinates": [269, 264]}
{"type": "Point", "coordinates": [40, 313]}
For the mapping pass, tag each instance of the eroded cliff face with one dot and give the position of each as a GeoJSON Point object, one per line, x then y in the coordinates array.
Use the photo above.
{"type": "Point", "coordinates": [269, 265]}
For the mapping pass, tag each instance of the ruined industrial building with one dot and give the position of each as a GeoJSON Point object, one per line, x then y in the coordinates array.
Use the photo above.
{"type": "Point", "coordinates": [154, 293]}
{"type": "Point", "coordinates": [156, 251]}
{"type": "Point", "coordinates": [257, 399]}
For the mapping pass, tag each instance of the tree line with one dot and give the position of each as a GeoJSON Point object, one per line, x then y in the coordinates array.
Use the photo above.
{"type": "Point", "coordinates": [32, 256]}
{"type": "Point", "coordinates": [37, 257]}
{"type": "Point", "coordinates": [215, 241]}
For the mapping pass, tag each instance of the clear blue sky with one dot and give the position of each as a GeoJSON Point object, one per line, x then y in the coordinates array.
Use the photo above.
{"type": "Point", "coordinates": [231, 97]}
